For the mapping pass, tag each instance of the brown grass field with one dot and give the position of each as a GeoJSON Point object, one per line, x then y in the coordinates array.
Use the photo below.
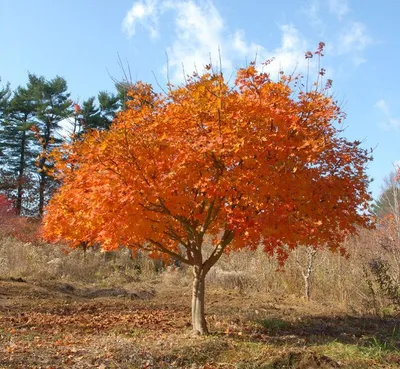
{"type": "Point", "coordinates": [59, 325]}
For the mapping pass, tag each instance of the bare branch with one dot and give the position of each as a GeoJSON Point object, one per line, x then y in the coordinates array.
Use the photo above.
{"type": "Point", "coordinates": [190, 229]}
{"type": "Point", "coordinates": [165, 249]}
{"type": "Point", "coordinates": [219, 249]}
{"type": "Point", "coordinates": [173, 235]}
{"type": "Point", "coordinates": [209, 218]}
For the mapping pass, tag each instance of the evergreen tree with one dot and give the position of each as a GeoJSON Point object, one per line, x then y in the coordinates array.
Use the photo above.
{"type": "Point", "coordinates": [20, 144]}
{"type": "Point", "coordinates": [30, 128]}
{"type": "Point", "coordinates": [53, 105]}
{"type": "Point", "coordinates": [85, 117]}
{"type": "Point", "coordinates": [5, 94]}
{"type": "Point", "coordinates": [89, 116]}
{"type": "Point", "coordinates": [110, 104]}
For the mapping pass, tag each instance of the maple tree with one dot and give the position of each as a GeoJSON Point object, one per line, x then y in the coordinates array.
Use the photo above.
{"type": "Point", "coordinates": [258, 163]}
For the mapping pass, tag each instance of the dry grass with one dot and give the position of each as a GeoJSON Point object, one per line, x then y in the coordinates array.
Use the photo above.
{"type": "Point", "coordinates": [344, 282]}
{"type": "Point", "coordinates": [45, 328]}
{"type": "Point", "coordinates": [49, 262]}
{"type": "Point", "coordinates": [98, 311]}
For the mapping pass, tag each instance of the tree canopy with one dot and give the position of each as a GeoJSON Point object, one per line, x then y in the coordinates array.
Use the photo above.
{"type": "Point", "coordinates": [261, 162]}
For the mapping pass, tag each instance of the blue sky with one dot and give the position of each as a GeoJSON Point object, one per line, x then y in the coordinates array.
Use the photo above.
{"type": "Point", "coordinates": [81, 41]}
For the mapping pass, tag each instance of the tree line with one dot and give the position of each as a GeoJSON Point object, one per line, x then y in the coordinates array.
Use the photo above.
{"type": "Point", "coordinates": [35, 119]}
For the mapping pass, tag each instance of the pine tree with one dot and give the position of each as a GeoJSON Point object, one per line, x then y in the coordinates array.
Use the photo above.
{"type": "Point", "coordinates": [110, 104]}
{"type": "Point", "coordinates": [5, 94]}
{"type": "Point", "coordinates": [89, 116]}
{"type": "Point", "coordinates": [85, 117]}
{"type": "Point", "coordinates": [53, 105]}
{"type": "Point", "coordinates": [19, 142]}
{"type": "Point", "coordinates": [6, 181]}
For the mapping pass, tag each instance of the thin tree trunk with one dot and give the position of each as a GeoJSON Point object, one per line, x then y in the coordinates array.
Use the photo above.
{"type": "Point", "coordinates": [198, 297]}
{"type": "Point", "coordinates": [21, 173]}
{"type": "Point", "coordinates": [42, 168]}
{"type": "Point", "coordinates": [84, 247]}
{"type": "Point", "coordinates": [42, 186]}
{"type": "Point", "coordinates": [307, 286]}
{"type": "Point", "coordinates": [311, 252]}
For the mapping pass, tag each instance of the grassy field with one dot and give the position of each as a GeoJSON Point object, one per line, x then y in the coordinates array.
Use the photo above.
{"type": "Point", "coordinates": [59, 325]}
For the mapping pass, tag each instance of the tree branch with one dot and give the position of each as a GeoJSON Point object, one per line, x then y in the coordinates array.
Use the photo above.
{"type": "Point", "coordinates": [209, 219]}
{"type": "Point", "coordinates": [162, 248]}
{"type": "Point", "coordinates": [190, 229]}
{"type": "Point", "coordinates": [219, 249]}
{"type": "Point", "coordinates": [172, 234]}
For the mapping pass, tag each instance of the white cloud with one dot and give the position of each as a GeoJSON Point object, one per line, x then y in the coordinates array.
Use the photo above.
{"type": "Point", "coordinates": [354, 40]}
{"type": "Point", "coordinates": [390, 121]}
{"type": "Point", "coordinates": [143, 13]}
{"type": "Point", "coordinates": [383, 106]}
{"type": "Point", "coordinates": [290, 54]}
{"type": "Point", "coordinates": [200, 33]}
{"type": "Point", "coordinates": [242, 48]}
{"type": "Point", "coordinates": [339, 7]}
{"type": "Point", "coordinates": [351, 39]}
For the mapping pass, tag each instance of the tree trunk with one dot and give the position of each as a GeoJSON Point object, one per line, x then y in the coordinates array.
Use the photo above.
{"type": "Point", "coordinates": [307, 287]}
{"type": "Point", "coordinates": [42, 186]}
{"type": "Point", "coordinates": [21, 172]}
{"type": "Point", "coordinates": [311, 252]}
{"type": "Point", "coordinates": [198, 296]}
{"type": "Point", "coordinates": [42, 167]}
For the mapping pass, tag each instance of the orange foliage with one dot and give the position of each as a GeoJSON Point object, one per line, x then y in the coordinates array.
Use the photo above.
{"type": "Point", "coordinates": [259, 162]}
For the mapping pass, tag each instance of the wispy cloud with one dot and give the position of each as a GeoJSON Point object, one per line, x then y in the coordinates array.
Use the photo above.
{"type": "Point", "coordinates": [311, 10]}
{"type": "Point", "coordinates": [351, 38]}
{"type": "Point", "coordinates": [292, 49]}
{"type": "Point", "coordinates": [354, 40]}
{"type": "Point", "coordinates": [200, 34]}
{"type": "Point", "coordinates": [339, 8]}
{"type": "Point", "coordinates": [390, 121]}
{"type": "Point", "coordinates": [143, 13]}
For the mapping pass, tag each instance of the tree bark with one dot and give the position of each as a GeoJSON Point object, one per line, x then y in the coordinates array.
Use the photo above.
{"type": "Point", "coordinates": [42, 168]}
{"type": "Point", "coordinates": [21, 172]}
{"type": "Point", "coordinates": [198, 297]}
{"type": "Point", "coordinates": [311, 252]}
{"type": "Point", "coordinates": [307, 287]}
{"type": "Point", "coordinates": [200, 271]}
{"type": "Point", "coordinates": [42, 186]}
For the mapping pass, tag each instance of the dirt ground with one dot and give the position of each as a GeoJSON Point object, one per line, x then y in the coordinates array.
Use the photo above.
{"type": "Point", "coordinates": [57, 325]}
